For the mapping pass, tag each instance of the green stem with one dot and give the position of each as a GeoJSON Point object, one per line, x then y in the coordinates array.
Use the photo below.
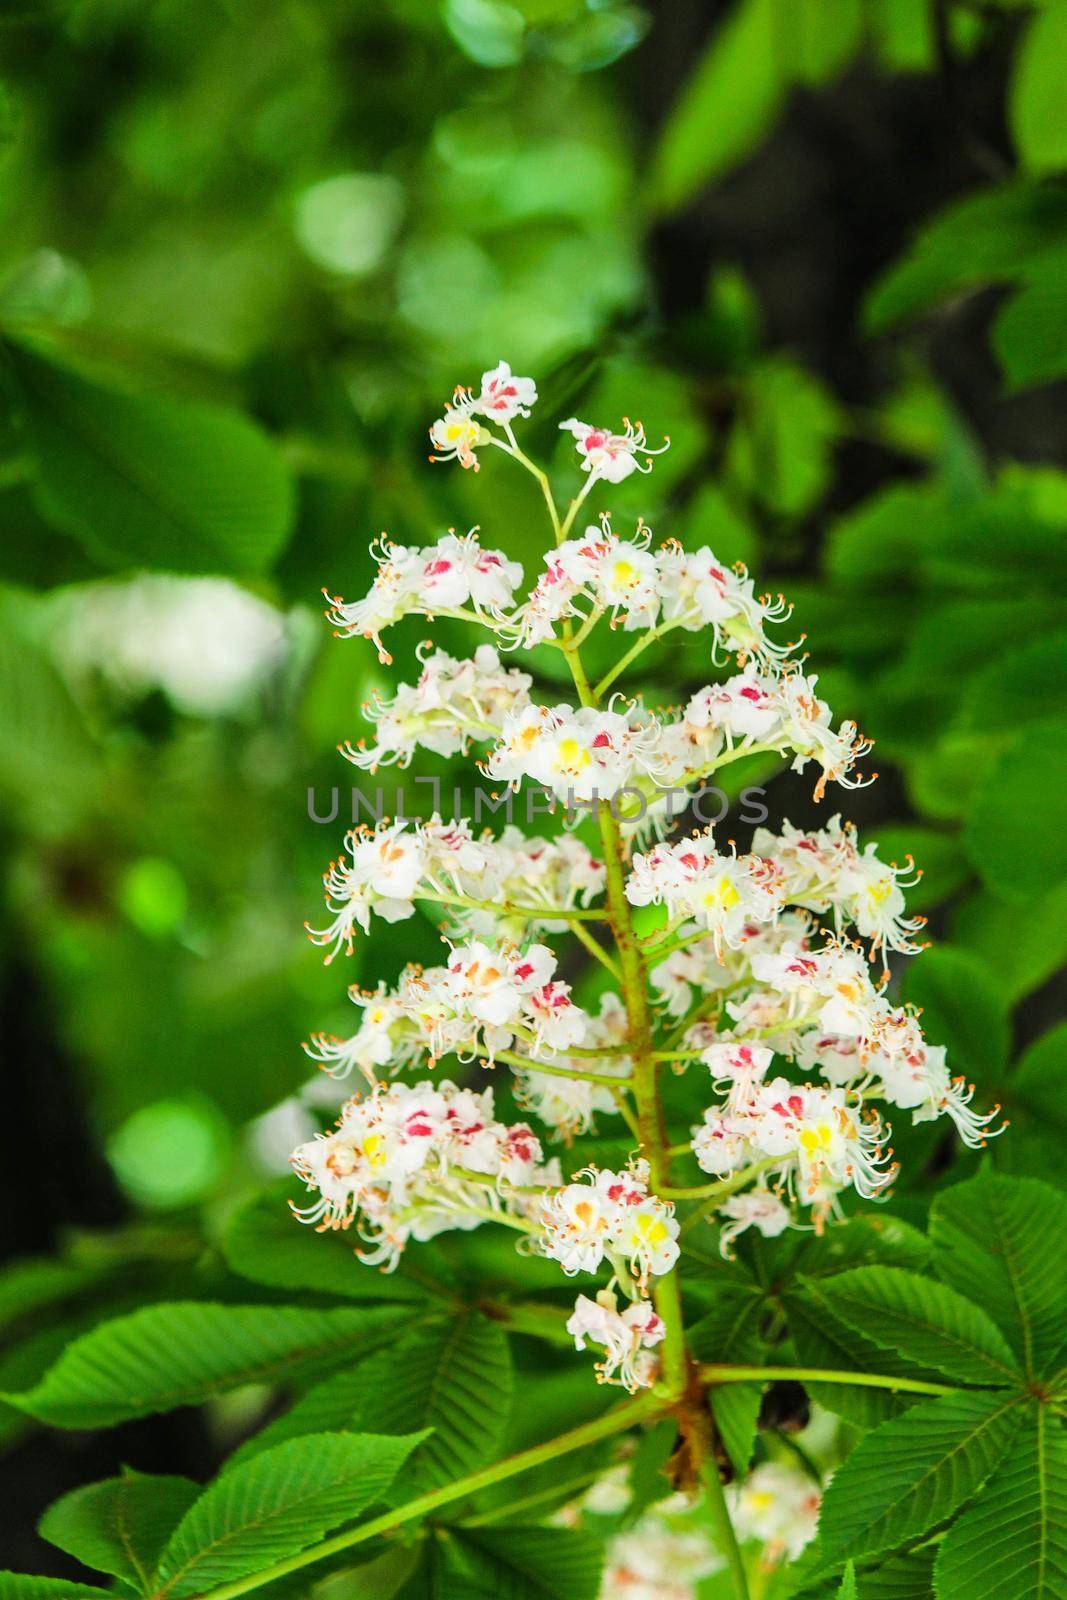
{"type": "Point", "coordinates": [527, 1501]}
{"type": "Point", "coordinates": [631, 655]}
{"type": "Point", "coordinates": [714, 1375]}
{"type": "Point", "coordinates": [724, 1528]}
{"type": "Point", "coordinates": [596, 950]}
{"type": "Point", "coordinates": [525, 1064]}
{"type": "Point", "coordinates": [507, 908]}
{"type": "Point", "coordinates": [572, 509]}
{"type": "Point", "coordinates": [605, 1427]}
{"type": "Point", "coordinates": [712, 1193]}
{"type": "Point", "coordinates": [542, 1322]}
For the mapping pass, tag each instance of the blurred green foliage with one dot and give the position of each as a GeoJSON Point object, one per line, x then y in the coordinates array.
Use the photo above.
{"type": "Point", "coordinates": [247, 251]}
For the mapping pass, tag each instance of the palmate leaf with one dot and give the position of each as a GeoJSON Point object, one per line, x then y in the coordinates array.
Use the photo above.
{"type": "Point", "coordinates": [907, 1577]}
{"type": "Point", "coordinates": [512, 1562]}
{"type": "Point", "coordinates": [178, 1354]}
{"type": "Point", "coordinates": [120, 1525]}
{"type": "Point", "coordinates": [924, 1321]}
{"type": "Point", "coordinates": [823, 1340]}
{"type": "Point", "coordinates": [455, 1380]}
{"type": "Point", "coordinates": [999, 1241]}
{"type": "Point", "coordinates": [280, 1503]}
{"type": "Point", "coordinates": [913, 1472]}
{"type": "Point", "coordinates": [1012, 1543]}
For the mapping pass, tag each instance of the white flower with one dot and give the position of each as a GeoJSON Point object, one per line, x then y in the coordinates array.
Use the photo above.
{"type": "Point", "coordinates": [697, 591]}
{"type": "Point", "coordinates": [611, 456]}
{"type": "Point", "coordinates": [503, 396]}
{"type": "Point", "coordinates": [626, 1338]}
{"type": "Point", "coordinates": [746, 706]}
{"type": "Point", "coordinates": [383, 874]}
{"type": "Point", "coordinates": [825, 871]}
{"type": "Point", "coordinates": [779, 1506]}
{"type": "Point", "coordinates": [611, 1214]}
{"type": "Point", "coordinates": [458, 434]}
{"type": "Point", "coordinates": [568, 1105]}
{"type": "Point", "coordinates": [437, 578]}
{"type": "Point", "coordinates": [758, 1208]}
{"type": "Point", "coordinates": [722, 893]}
{"type": "Point", "coordinates": [655, 1560]}
{"type": "Point", "coordinates": [397, 1161]}
{"type": "Point", "coordinates": [452, 702]}
{"type": "Point", "coordinates": [584, 754]}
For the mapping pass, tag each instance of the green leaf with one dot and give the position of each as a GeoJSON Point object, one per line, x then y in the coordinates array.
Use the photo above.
{"type": "Point", "coordinates": [780, 447]}
{"type": "Point", "coordinates": [44, 741]}
{"type": "Point", "coordinates": [825, 1341]}
{"type": "Point", "coordinates": [26, 1586]}
{"type": "Point", "coordinates": [1040, 1077]}
{"type": "Point", "coordinates": [730, 1333]}
{"type": "Point", "coordinates": [455, 1380]}
{"type": "Point", "coordinates": [847, 1589]}
{"type": "Point", "coordinates": [1021, 951]}
{"type": "Point", "coordinates": [987, 237]}
{"type": "Point", "coordinates": [924, 1321]}
{"type": "Point", "coordinates": [1035, 104]}
{"type": "Point", "coordinates": [120, 1525]}
{"type": "Point", "coordinates": [726, 105]}
{"type": "Point", "coordinates": [962, 1010]}
{"type": "Point", "coordinates": [908, 1577]}
{"type": "Point", "coordinates": [738, 86]}
{"type": "Point", "coordinates": [1016, 827]}
{"type": "Point", "coordinates": [280, 1503]}
{"type": "Point", "coordinates": [261, 1242]}
{"type": "Point", "coordinates": [1027, 684]}
{"type": "Point", "coordinates": [999, 1241]}
{"type": "Point", "coordinates": [513, 1562]}
{"type": "Point", "coordinates": [327, 1407]}
{"type": "Point", "coordinates": [913, 1472]}
{"type": "Point", "coordinates": [178, 1354]}
{"type": "Point", "coordinates": [1030, 332]}
{"type": "Point", "coordinates": [146, 481]}
{"type": "Point", "coordinates": [1012, 1543]}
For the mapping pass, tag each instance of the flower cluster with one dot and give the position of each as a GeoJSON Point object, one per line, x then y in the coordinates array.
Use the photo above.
{"type": "Point", "coordinates": [452, 703]}
{"type": "Point", "coordinates": [502, 397]}
{"type": "Point", "coordinates": [436, 580]}
{"type": "Point", "coordinates": [816, 1140]}
{"type": "Point", "coordinates": [760, 973]}
{"type": "Point", "coordinates": [627, 1338]}
{"type": "Point", "coordinates": [827, 872]}
{"type": "Point", "coordinates": [777, 1505]}
{"type": "Point", "coordinates": [410, 1162]}
{"type": "Point", "coordinates": [582, 754]}
{"type": "Point", "coordinates": [659, 1558]}
{"type": "Point", "coordinates": [483, 1000]}
{"type": "Point", "coordinates": [823, 1009]}
{"type": "Point", "coordinates": [643, 588]}
{"type": "Point", "coordinates": [724, 894]}
{"type": "Point", "coordinates": [780, 711]}
{"type": "Point", "coordinates": [567, 1099]}
{"type": "Point", "coordinates": [485, 882]}
{"type": "Point", "coordinates": [611, 1215]}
